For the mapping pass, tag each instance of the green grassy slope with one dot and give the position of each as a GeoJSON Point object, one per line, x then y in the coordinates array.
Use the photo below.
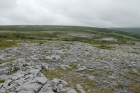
{"type": "Point", "coordinates": [103, 32]}
{"type": "Point", "coordinates": [131, 30]}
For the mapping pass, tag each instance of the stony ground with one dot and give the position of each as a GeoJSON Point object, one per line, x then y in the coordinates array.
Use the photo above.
{"type": "Point", "coordinates": [69, 67]}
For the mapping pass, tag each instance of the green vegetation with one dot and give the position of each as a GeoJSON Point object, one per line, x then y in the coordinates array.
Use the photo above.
{"type": "Point", "coordinates": [8, 60]}
{"type": "Point", "coordinates": [73, 65]}
{"type": "Point", "coordinates": [75, 87]}
{"type": "Point", "coordinates": [121, 85]}
{"type": "Point", "coordinates": [32, 33]}
{"type": "Point", "coordinates": [103, 90]}
{"type": "Point", "coordinates": [48, 61]}
{"type": "Point", "coordinates": [135, 89]}
{"type": "Point", "coordinates": [103, 46]}
{"type": "Point", "coordinates": [124, 36]}
{"type": "Point", "coordinates": [2, 81]}
{"type": "Point", "coordinates": [42, 35]}
{"type": "Point", "coordinates": [72, 78]}
{"type": "Point", "coordinates": [130, 30]}
{"type": "Point", "coordinates": [46, 28]}
{"type": "Point", "coordinates": [51, 74]}
{"type": "Point", "coordinates": [25, 65]}
{"type": "Point", "coordinates": [5, 44]}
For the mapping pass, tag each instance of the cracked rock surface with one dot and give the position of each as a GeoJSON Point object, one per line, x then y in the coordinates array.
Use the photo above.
{"type": "Point", "coordinates": [60, 67]}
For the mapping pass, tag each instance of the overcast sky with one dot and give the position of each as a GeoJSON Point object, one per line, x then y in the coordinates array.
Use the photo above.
{"type": "Point", "coordinates": [95, 13]}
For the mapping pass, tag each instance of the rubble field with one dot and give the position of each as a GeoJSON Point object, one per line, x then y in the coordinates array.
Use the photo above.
{"type": "Point", "coordinates": [68, 59]}
{"type": "Point", "coordinates": [69, 67]}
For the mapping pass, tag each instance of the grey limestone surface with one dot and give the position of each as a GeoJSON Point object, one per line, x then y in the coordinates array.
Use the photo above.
{"type": "Point", "coordinates": [24, 74]}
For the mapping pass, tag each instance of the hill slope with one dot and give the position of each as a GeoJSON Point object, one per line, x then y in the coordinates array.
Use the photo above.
{"type": "Point", "coordinates": [131, 30]}
{"type": "Point", "coordinates": [98, 31]}
{"type": "Point", "coordinates": [68, 59]}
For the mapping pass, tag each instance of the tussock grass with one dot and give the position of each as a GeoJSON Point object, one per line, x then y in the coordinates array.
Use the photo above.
{"type": "Point", "coordinates": [135, 89]}
{"type": "Point", "coordinates": [75, 87]}
{"type": "Point", "coordinates": [8, 60]}
{"type": "Point", "coordinates": [2, 81]}
{"type": "Point", "coordinates": [121, 85]}
{"type": "Point", "coordinates": [73, 65]}
{"type": "Point", "coordinates": [5, 44]}
{"type": "Point", "coordinates": [51, 74]}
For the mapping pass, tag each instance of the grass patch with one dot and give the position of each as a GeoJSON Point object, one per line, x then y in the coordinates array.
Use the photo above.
{"type": "Point", "coordinates": [75, 87]}
{"type": "Point", "coordinates": [30, 35]}
{"type": "Point", "coordinates": [136, 89]}
{"type": "Point", "coordinates": [24, 65]}
{"type": "Point", "coordinates": [125, 36]}
{"type": "Point", "coordinates": [36, 32]}
{"type": "Point", "coordinates": [103, 90]}
{"type": "Point", "coordinates": [2, 81]}
{"type": "Point", "coordinates": [48, 61]}
{"type": "Point", "coordinates": [68, 85]}
{"type": "Point", "coordinates": [103, 46]}
{"type": "Point", "coordinates": [121, 85]}
{"type": "Point", "coordinates": [73, 65]}
{"type": "Point", "coordinates": [51, 74]}
{"type": "Point", "coordinates": [8, 60]}
{"type": "Point", "coordinates": [5, 44]}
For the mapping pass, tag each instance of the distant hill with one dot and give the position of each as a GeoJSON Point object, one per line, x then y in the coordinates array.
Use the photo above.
{"type": "Point", "coordinates": [102, 32]}
{"type": "Point", "coordinates": [130, 30]}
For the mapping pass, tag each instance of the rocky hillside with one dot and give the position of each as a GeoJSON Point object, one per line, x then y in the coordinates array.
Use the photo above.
{"type": "Point", "coordinates": [69, 67]}
{"type": "Point", "coordinates": [68, 62]}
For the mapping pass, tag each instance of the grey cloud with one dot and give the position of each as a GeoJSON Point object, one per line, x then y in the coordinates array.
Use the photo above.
{"type": "Point", "coordinates": [96, 13]}
{"type": "Point", "coordinates": [6, 4]}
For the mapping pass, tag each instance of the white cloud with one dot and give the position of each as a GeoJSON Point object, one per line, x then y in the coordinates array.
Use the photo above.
{"type": "Point", "coordinates": [96, 13]}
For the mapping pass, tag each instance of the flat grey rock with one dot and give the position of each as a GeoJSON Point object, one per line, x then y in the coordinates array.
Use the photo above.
{"type": "Point", "coordinates": [1, 85]}
{"type": "Point", "coordinates": [135, 71]}
{"type": "Point", "coordinates": [31, 86]}
{"type": "Point", "coordinates": [7, 82]}
{"type": "Point", "coordinates": [91, 77]}
{"type": "Point", "coordinates": [45, 66]}
{"type": "Point", "coordinates": [30, 91]}
{"type": "Point", "coordinates": [59, 81]}
{"type": "Point", "coordinates": [15, 77]}
{"type": "Point", "coordinates": [71, 91]}
{"type": "Point", "coordinates": [64, 66]}
{"type": "Point", "coordinates": [81, 68]}
{"type": "Point", "coordinates": [47, 88]}
{"type": "Point", "coordinates": [24, 74]}
{"type": "Point", "coordinates": [79, 87]}
{"type": "Point", "coordinates": [41, 80]}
